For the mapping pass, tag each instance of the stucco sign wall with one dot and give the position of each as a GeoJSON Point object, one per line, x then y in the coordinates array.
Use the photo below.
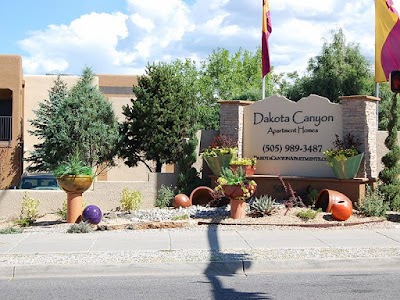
{"type": "Point", "coordinates": [289, 137]}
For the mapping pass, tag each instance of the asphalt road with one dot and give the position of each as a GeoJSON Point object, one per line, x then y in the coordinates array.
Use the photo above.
{"type": "Point", "coordinates": [302, 285]}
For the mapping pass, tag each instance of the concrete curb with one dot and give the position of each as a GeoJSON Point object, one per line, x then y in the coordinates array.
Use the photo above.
{"type": "Point", "coordinates": [226, 268]}
{"type": "Point", "coordinates": [135, 269]}
{"type": "Point", "coordinates": [321, 265]}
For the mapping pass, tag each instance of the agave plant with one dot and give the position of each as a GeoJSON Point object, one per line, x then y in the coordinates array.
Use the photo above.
{"type": "Point", "coordinates": [263, 205]}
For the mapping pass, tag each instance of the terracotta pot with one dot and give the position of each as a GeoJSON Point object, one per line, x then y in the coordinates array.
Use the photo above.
{"type": "Point", "coordinates": [74, 207]}
{"type": "Point", "coordinates": [235, 191]}
{"type": "Point", "coordinates": [181, 200]}
{"type": "Point", "coordinates": [326, 198]}
{"type": "Point", "coordinates": [342, 210]}
{"type": "Point", "coordinates": [247, 170]}
{"type": "Point", "coordinates": [201, 195]}
{"type": "Point", "coordinates": [75, 184]}
{"type": "Point", "coordinates": [238, 209]}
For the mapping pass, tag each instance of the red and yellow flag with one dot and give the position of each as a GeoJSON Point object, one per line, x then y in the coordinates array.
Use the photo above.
{"type": "Point", "coordinates": [266, 31]}
{"type": "Point", "coordinates": [387, 40]}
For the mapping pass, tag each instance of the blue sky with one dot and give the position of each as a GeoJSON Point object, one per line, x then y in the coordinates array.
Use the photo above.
{"type": "Point", "coordinates": [122, 36]}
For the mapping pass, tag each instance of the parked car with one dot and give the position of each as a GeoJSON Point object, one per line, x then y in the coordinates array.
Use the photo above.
{"type": "Point", "coordinates": [38, 181]}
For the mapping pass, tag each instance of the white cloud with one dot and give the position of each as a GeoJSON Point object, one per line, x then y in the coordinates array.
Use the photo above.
{"type": "Point", "coordinates": [155, 30]}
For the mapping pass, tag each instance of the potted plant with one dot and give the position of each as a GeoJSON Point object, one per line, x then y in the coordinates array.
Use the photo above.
{"type": "Point", "coordinates": [236, 187]}
{"type": "Point", "coordinates": [247, 164]}
{"type": "Point", "coordinates": [219, 154]}
{"type": "Point", "coordinates": [74, 178]}
{"type": "Point", "coordinates": [344, 158]}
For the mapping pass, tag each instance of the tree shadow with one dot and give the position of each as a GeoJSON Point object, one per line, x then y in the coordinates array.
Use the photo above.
{"type": "Point", "coordinates": [235, 266]}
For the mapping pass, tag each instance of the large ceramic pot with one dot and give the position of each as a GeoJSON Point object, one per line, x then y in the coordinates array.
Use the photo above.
{"type": "Point", "coordinates": [75, 184]}
{"type": "Point", "coordinates": [346, 169]}
{"type": "Point", "coordinates": [181, 200]}
{"type": "Point", "coordinates": [326, 198]}
{"type": "Point", "coordinates": [217, 163]}
{"type": "Point", "coordinates": [201, 195]}
{"type": "Point", "coordinates": [342, 210]}
{"type": "Point", "coordinates": [236, 195]}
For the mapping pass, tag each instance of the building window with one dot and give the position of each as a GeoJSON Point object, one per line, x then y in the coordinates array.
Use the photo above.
{"type": "Point", "coordinates": [5, 115]}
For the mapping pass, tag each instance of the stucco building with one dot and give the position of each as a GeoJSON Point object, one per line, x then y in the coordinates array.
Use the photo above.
{"type": "Point", "coordinates": [19, 98]}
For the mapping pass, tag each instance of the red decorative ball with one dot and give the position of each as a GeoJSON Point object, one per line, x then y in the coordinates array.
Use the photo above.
{"type": "Point", "coordinates": [342, 210]}
{"type": "Point", "coordinates": [181, 200]}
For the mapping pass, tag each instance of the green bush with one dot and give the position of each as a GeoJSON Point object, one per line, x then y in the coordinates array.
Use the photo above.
{"type": "Point", "coordinates": [308, 214]}
{"type": "Point", "coordinates": [29, 211]}
{"type": "Point", "coordinates": [10, 230]}
{"type": "Point", "coordinates": [62, 212]}
{"type": "Point", "coordinates": [81, 227]}
{"type": "Point", "coordinates": [131, 200]}
{"type": "Point", "coordinates": [374, 204]}
{"type": "Point", "coordinates": [165, 196]}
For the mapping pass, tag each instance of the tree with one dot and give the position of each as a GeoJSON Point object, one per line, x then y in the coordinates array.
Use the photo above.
{"type": "Point", "coordinates": [229, 77]}
{"type": "Point", "coordinates": [162, 116]}
{"type": "Point", "coordinates": [340, 70]}
{"type": "Point", "coordinates": [390, 174]}
{"type": "Point", "coordinates": [79, 122]}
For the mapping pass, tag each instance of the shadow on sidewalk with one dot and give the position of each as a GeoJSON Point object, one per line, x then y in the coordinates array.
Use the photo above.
{"type": "Point", "coordinates": [213, 274]}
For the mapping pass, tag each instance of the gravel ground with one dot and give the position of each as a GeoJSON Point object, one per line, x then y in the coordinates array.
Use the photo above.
{"type": "Point", "coordinates": [198, 217]}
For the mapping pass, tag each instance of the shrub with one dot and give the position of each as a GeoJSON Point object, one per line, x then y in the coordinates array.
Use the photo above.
{"type": "Point", "coordinates": [81, 227]}
{"type": "Point", "coordinates": [29, 211]}
{"type": "Point", "coordinates": [10, 230]}
{"type": "Point", "coordinates": [165, 196]}
{"type": "Point", "coordinates": [130, 200]}
{"type": "Point", "coordinates": [374, 204]}
{"type": "Point", "coordinates": [264, 205]}
{"type": "Point", "coordinates": [308, 214]}
{"type": "Point", "coordinates": [62, 212]}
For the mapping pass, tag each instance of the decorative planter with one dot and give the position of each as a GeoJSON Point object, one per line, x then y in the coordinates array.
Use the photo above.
{"type": "Point", "coordinates": [247, 170]}
{"type": "Point", "coordinates": [346, 169]}
{"type": "Point", "coordinates": [326, 198]}
{"type": "Point", "coordinates": [238, 209]}
{"type": "Point", "coordinates": [181, 200]}
{"type": "Point", "coordinates": [201, 195]}
{"type": "Point", "coordinates": [217, 163]}
{"type": "Point", "coordinates": [74, 186]}
{"type": "Point", "coordinates": [342, 210]}
{"type": "Point", "coordinates": [236, 195]}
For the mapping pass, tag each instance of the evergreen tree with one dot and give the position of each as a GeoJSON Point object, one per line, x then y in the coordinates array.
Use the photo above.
{"type": "Point", "coordinates": [39, 157]}
{"type": "Point", "coordinates": [162, 116]}
{"type": "Point", "coordinates": [79, 122]}
{"type": "Point", "coordinates": [390, 174]}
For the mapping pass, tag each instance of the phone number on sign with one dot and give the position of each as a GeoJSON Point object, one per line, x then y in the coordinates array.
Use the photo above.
{"type": "Point", "coordinates": [292, 148]}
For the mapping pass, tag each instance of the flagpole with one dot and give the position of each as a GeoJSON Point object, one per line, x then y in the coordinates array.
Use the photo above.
{"type": "Point", "coordinates": [263, 88]}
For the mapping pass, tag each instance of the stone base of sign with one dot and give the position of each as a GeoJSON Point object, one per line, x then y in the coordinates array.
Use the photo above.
{"type": "Point", "coordinates": [271, 185]}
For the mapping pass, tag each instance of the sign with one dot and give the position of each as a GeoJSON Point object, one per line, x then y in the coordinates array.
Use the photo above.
{"type": "Point", "coordinates": [289, 138]}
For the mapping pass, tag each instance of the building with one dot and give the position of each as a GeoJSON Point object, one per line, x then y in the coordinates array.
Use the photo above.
{"type": "Point", "coordinates": [20, 96]}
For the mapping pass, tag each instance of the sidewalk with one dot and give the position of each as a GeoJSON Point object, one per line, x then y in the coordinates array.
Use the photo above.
{"type": "Point", "coordinates": [208, 249]}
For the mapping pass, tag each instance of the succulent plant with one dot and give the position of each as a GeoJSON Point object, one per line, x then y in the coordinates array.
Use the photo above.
{"type": "Point", "coordinates": [263, 205]}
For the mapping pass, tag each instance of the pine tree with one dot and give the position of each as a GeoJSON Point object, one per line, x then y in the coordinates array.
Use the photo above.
{"type": "Point", "coordinates": [79, 122]}
{"type": "Point", "coordinates": [161, 117]}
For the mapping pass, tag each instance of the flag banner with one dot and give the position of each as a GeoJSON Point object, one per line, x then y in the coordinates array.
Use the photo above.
{"type": "Point", "coordinates": [387, 40]}
{"type": "Point", "coordinates": [266, 31]}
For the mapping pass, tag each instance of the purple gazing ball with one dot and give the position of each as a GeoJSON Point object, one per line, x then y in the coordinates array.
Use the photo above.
{"type": "Point", "coordinates": [92, 214]}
